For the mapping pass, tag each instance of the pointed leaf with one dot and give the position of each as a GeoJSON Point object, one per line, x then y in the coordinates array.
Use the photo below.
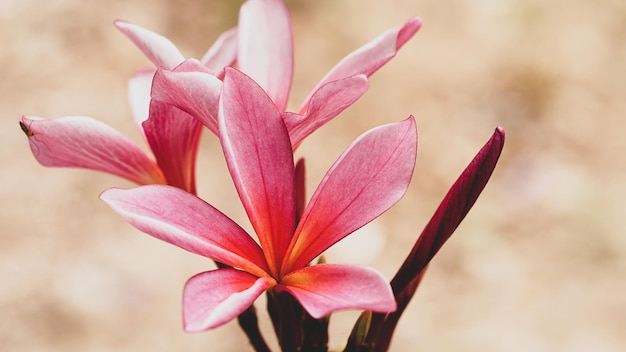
{"type": "Point", "coordinates": [370, 57]}
{"type": "Point", "coordinates": [184, 220]}
{"type": "Point", "coordinates": [369, 177]}
{"type": "Point", "coordinates": [83, 142]}
{"type": "Point", "coordinates": [447, 217]}
{"type": "Point", "coordinates": [265, 50]}
{"type": "Point", "coordinates": [327, 288]}
{"type": "Point", "coordinates": [383, 325]}
{"type": "Point", "coordinates": [158, 49]}
{"type": "Point", "coordinates": [326, 103]}
{"type": "Point", "coordinates": [213, 298]}
{"type": "Point", "coordinates": [258, 153]}
{"type": "Point", "coordinates": [173, 136]}
{"type": "Point", "coordinates": [452, 210]}
{"type": "Point", "coordinates": [196, 93]}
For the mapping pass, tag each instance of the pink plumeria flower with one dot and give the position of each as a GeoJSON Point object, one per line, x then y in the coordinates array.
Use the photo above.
{"type": "Point", "coordinates": [367, 179]}
{"type": "Point", "coordinates": [265, 53]}
{"type": "Point", "coordinates": [172, 134]}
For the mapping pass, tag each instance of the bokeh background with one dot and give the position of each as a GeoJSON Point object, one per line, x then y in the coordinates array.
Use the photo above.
{"type": "Point", "coordinates": [538, 265]}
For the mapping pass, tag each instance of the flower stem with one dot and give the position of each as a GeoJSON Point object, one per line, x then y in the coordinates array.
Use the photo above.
{"type": "Point", "coordinates": [249, 324]}
{"type": "Point", "coordinates": [286, 314]}
{"type": "Point", "coordinates": [315, 333]}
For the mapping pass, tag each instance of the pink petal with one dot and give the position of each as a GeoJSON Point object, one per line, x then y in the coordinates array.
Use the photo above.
{"type": "Point", "coordinates": [223, 53]}
{"type": "Point", "coordinates": [192, 65]}
{"type": "Point", "coordinates": [326, 103]}
{"type": "Point", "coordinates": [173, 136]}
{"type": "Point", "coordinates": [214, 298]}
{"type": "Point", "coordinates": [326, 288]}
{"type": "Point", "coordinates": [160, 50]}
{"type": "Point", "coordinates": [139, 96]}
{"type": "Point", "coordinates": [369, 177]}
{"type": "Point", "coordinates": [370, 57]}
{"type": "Point", "coordinates": [76, 141]}
{"type": "Point", "coordinates": [196, 93]}
{"type": "Point", "coordinates": [184, 220]}
{"type": "Point", "coordinates": [265, 50]}
{"type": "Point", "coordinates": [259, 157]}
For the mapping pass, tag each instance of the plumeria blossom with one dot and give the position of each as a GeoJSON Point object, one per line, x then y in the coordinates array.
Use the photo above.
{"type": "Point", "coordinates": [265, 53]}
{"type": "Point", "coordinates": [368, 178]}
{"type": "Point", "coordinates": [172, 134]}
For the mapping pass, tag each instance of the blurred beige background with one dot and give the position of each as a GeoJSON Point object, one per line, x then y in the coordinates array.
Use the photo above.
{"type": "Point", "coordinates": [538, 265]}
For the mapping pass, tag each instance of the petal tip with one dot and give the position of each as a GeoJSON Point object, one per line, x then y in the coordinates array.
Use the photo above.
{"type": "Point", "coordinates": [25, 122]}
{"type": "Point", "coordinates": [122, 25]}
{"type": "Point", "coordinates": [500, 131]}
{"type": "Point", "coordinates": [408, 30]}
{"type": "Point", "coordinates": [108, 195]}
{"type": "Point", "coordinates": [498, 137]}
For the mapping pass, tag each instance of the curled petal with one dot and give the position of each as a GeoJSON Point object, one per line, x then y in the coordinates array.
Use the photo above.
{"type": "Point", "coordinates": [265, 50]}
{"type": "Point", "coordinates": [196, 93]}
{"type": "Point", "coordinates": [173, 136]}
{"type": "Point", "coordinates": [184, 220]}
{"type": "Point", "coordinates": [214, 298]}
{"type": "Point", "coordinates": [326, 288]}
{"type": "Point", "coordinates": [78, 141]}
{"type": "Point", "coordinates": [369, 177]}
{"type": "Point", "coordinates": [326, 103]}
{"type": "Point", "coordinates": [258, 154]}
{"type": "Point", "coordinates": [223, 53]}
{"type": "Point", "coordinates": [370, 57]}
{"type": "Point", "coordinates": [160, 50]}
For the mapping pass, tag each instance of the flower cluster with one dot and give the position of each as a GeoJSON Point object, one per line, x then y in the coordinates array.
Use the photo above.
{"type": "Point", "coordinates": [239, 90]}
